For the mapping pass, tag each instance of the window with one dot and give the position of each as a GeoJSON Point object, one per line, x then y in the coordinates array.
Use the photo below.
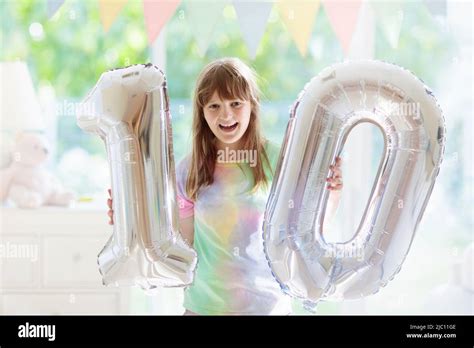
{"type": "Point", "coordinates": [68, 53]}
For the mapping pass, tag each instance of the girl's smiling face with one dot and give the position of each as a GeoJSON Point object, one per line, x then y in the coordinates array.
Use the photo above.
{"type": "Point", "coordinates": [228, 119]}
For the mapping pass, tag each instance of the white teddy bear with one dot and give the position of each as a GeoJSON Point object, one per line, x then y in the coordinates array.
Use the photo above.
{"type": "Point", "coordinates": [26, 182]}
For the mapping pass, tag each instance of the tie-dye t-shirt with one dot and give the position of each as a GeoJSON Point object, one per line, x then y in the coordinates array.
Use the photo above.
{"type": "Point", "coordinates": [232, 275]}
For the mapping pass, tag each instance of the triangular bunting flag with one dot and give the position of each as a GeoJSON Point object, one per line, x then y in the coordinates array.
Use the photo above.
{"type": "Point", "coordinates": [53, 6]}
{"type": "Point", "coordinates": [109, 10]}
{"type": "Point", "coordinates": [157, 13]}
{"type": "Point", "coordinates": [252, 19]}
{"type": "Point", "coordinates": [389, 16]}
{"type": "Point", "coordinates": [203, 17]}
{"type": "Point", "coordinates": [299, 17]}
{"type": "Point", "coordinates": [343, 16]}
{"type": "Point", "coordinates": [436, 7]}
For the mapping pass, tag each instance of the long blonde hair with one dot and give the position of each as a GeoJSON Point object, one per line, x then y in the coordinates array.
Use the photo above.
{"type": "Point", "coordinates": [230, 78]}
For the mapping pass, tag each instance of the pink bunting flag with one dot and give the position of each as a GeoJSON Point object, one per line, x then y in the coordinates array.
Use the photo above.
{"type": "Point", "coordinates": [343, 16]}
{"type": "Point", "coordinates": [157, 13]}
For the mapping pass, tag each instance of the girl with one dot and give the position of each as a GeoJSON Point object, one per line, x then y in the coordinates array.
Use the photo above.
{"type": "Point", "coordinates": [222, 189]}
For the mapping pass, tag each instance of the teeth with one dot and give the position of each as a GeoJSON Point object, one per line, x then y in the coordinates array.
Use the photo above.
{"type": "Point", "coordinates": [228, 126]}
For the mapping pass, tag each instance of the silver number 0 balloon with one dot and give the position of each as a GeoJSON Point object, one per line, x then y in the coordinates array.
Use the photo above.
{"type": "Point", "coordinates": [331, 104]}
{"type": "Point", "coordinates": [128, 108]}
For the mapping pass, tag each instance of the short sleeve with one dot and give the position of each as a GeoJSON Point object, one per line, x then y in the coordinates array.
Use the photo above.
{"type": "Point", "coordinates": [185, 205]}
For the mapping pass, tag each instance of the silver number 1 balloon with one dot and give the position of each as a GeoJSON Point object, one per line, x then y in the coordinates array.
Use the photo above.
{"type": "Point", "coordinates": [128, 108]}
{"type": "Point", "coordinates": [329, 107]}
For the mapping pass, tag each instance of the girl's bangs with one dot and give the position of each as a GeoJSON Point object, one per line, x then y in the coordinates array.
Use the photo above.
{"type": "Point", "coordinates": [226, 86]}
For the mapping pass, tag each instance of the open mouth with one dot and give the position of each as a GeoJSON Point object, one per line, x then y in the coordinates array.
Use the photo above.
{"type": "Point", "coordinates": [229, 127]}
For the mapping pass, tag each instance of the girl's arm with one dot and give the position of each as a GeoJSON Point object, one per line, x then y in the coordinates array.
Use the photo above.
{"type": "Point", "coordinates": [187, 229]}
{"type": "Point", "coordinates": [186, 224]}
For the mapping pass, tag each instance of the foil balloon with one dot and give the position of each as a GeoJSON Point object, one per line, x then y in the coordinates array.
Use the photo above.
{"type": "Point", "coordinates": [329, 107]}
{"type": "Point", "coordinates": [128, 108]}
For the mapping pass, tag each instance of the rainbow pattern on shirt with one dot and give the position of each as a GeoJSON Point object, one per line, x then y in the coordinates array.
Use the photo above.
{"type": "Point", "coordinates": [232, 275]}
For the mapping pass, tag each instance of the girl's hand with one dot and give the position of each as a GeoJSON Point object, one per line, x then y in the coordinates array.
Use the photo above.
{"type": "Point", "coordinates": [110, 213]}
{"type": "Point", "coordinates": [335, 180]}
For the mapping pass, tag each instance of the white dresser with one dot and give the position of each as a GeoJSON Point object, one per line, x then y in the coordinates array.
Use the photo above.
{"type": "Point", "coordinates": [48, 262]}
{"type": "Point", "coordinates": [48, 265]}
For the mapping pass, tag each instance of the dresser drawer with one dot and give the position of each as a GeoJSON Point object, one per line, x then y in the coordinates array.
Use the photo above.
{"type": "Point", "coordinates": [60, 303]}
{"type": "Point", "coordinates": [71, 261]}
{"type": "Point", "coordinates": [20, 258]}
